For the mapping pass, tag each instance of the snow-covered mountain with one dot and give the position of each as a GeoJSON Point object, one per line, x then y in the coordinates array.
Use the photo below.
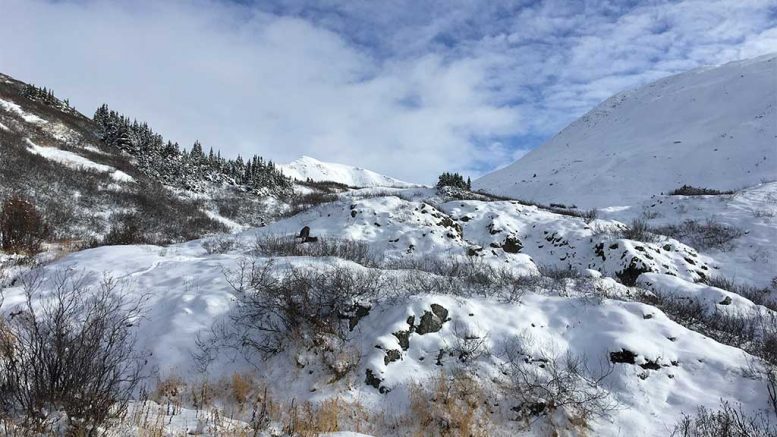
{"type": "Point", "coordinates": [711, 127]}
{"type": "Point", "coordinates": [306, 168]}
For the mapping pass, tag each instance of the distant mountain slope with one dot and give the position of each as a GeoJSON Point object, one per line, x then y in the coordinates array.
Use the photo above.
{"type": "Point", "coordinates": [310, 168]}
{"type": "Point", "coordinates": [711, 127]}
{"type": "Point", "coordinates": [92, 176]}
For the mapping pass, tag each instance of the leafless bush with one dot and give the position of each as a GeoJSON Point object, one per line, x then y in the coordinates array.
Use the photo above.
{"type": "Point", "coordinates": [707, 235]}
{"type": "Point", "coordinates": [305, 301]}
{"type": "Point", "coordinates": [352, 250]}
{"type": "Point", "coordinates": [468, 276]}
{"type": "Point", "coordinates": [540, 385]}
{"type": "Point", "coordinates": [468, 346]}
{"type": "Point", "coordinates": [22, 228]}
{"type": "Point", "coordinates": [220, 243]}
{"type": "Point", "coordinates": [71, 350]}
{"type": "Point", "coordinates": [687, 190]}
{"type": "Point", "coordinates": [125, 230]}
{"type": "Point", "coordinates": [589, 215]}
{"type": "Point", "coordinates": [727, 421]}
{"type": "Point", "coordinates": [303, 202]}
{"type": "Point", "coordinates": [639, 230]}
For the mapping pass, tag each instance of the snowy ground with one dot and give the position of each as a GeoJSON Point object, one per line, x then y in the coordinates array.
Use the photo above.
{"type": "Point", "coordinates": [673, 370]}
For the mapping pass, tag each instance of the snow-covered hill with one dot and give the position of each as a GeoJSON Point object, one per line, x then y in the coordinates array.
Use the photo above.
{"type": "Point", "coordinates": [711, 127]}
{"type": "Point", "coordinates": [306, 168]}
{"type": "Point", "coordinates": [410, 336]}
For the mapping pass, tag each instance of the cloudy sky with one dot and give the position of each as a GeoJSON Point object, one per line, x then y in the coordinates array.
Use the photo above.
{"type": "Point", "coordinates": [408, 88]}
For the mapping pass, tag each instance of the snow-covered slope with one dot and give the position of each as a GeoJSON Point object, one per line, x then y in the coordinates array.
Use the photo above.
{"type": "Point", "coordinates": [711, 127]}
{"type": "Point", "coordinates": [310, 168]}
{"type": "Point", "coordinates": [672, 369]}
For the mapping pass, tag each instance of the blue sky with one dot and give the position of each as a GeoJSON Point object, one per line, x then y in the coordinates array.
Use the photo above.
{"type": "Point", "coordinates": [408, 88]}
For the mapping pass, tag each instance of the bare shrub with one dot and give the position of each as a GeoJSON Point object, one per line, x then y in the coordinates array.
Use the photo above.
{"type": "Point", "coordinates": [543, 384]}
{"type": "Point", "coordinates": [218, 244]}
{"type": "Point", "coordinates": [450, 406]}
{"type": "Point", "coordinates": [727, 421]}
{"type": "Point", "coordinates": [352, 250]}
{"type": "Point", "coordinates": [303, 202]}
{"type": "Point", "coordinates": [70, 350]}
{"type": "Point", "coordinates": [125, 229]}
{"type": "Point", "coordinates": [22, 228]}
{"type": "Point", "coordinates": [306, 302]}
{"type": "Point", "coordinates": [639, 230]}
{"type": "Point", "coordinates": [687, 190]}
{"type": "Point", "coordinates": [589, 215]}
{"type": "Point", "coordinates": [468, 346]}
{"type": "Point", "coordinates": [707, 235]}
{"type": "Point", "coordinates": [460, 276]}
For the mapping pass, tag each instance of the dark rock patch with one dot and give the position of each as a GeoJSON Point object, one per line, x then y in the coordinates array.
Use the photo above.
{"type": "Point", "coordinates": [391, 356]}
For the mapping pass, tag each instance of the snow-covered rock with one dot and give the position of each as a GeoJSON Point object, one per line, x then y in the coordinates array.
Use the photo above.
{"type": "Point", "coordinates": [711, 127]}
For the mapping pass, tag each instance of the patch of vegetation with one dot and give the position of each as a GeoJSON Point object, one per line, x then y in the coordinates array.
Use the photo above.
{"type": "Point", "coordinates": [727, 421]}
{"type": "Point", "coordinates": [702, 235]}
{"type": "Point", "coordinates": [688, 190]}
{"type": "Point", "coordinates": [454, 180]}
{"type": "Point", "coordinates": [22, 227]}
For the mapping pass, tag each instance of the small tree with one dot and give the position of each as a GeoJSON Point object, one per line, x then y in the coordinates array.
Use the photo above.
{"type": "Point", "coordinates": [22, 228]}
{"type": "Point", "coordinates": [453, 180]}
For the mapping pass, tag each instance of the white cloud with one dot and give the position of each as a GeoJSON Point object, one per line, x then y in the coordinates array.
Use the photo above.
{"type": "Point", "coordinates": [405, 88]}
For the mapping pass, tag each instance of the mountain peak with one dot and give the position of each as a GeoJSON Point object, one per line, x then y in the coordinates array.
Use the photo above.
{"type": "Point", "coordinates": [307, 167]}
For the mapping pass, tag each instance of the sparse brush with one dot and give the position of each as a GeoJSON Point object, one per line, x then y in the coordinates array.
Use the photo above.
{"type": "Point", "coordinates": [709, 234]}
{"type": "Point", "coordinates": [352, 250]}
{"type": "Point", "coordinates": [640, 230]}
{"type": "Point", "coordinates": [727, 421]}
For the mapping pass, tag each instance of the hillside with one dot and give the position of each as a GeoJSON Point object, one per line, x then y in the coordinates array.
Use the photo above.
{"type": "Point", "coordinates": [307, 168]}
{"type": "Point", "coordinates": [428, 309]}
{"type": "Point", "coordinates": [92, 176]}
{"type": "Point", "coordinates": [712, 127]}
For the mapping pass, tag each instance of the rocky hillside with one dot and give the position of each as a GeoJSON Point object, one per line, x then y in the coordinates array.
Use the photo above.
{"type": "Point", "coordinates": [713, 127]}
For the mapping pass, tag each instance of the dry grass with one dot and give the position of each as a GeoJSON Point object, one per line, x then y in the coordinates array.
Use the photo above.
{"type": "Point", "coordinates": [451, 405]}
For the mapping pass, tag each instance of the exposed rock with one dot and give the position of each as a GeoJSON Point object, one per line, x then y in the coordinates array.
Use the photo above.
{"type": "Point", "coordinates": [374, 381]}
{"type": "Point", "coordinates": [512, 244]}
{"type": "Point", "coordinates": [432, 321]}
{"type": "Point", "coordinates": [725, 301]}
{"type": "Point", "coordinates": [629, 275]}
{"type": "Point", "coordinates": [625, 356]}
{"type": "Point", "coordinates": [357, 313]}
{"type": "Point", "coordinates": [391, 356]}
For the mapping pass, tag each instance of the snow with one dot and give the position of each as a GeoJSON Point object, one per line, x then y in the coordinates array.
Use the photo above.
{"type": "Point", "coordinates": [188, 295]}
{"type": "Point", "coordinates": [750, 258]}
{"type": "Point", "coordinates": [307, 167]}
{"type": "Point", "coordinates": [73, 160]}
{"type": "Point", "coordinates": [712, 127]}
{"type": "Point", "coordinates": [13, 107]}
